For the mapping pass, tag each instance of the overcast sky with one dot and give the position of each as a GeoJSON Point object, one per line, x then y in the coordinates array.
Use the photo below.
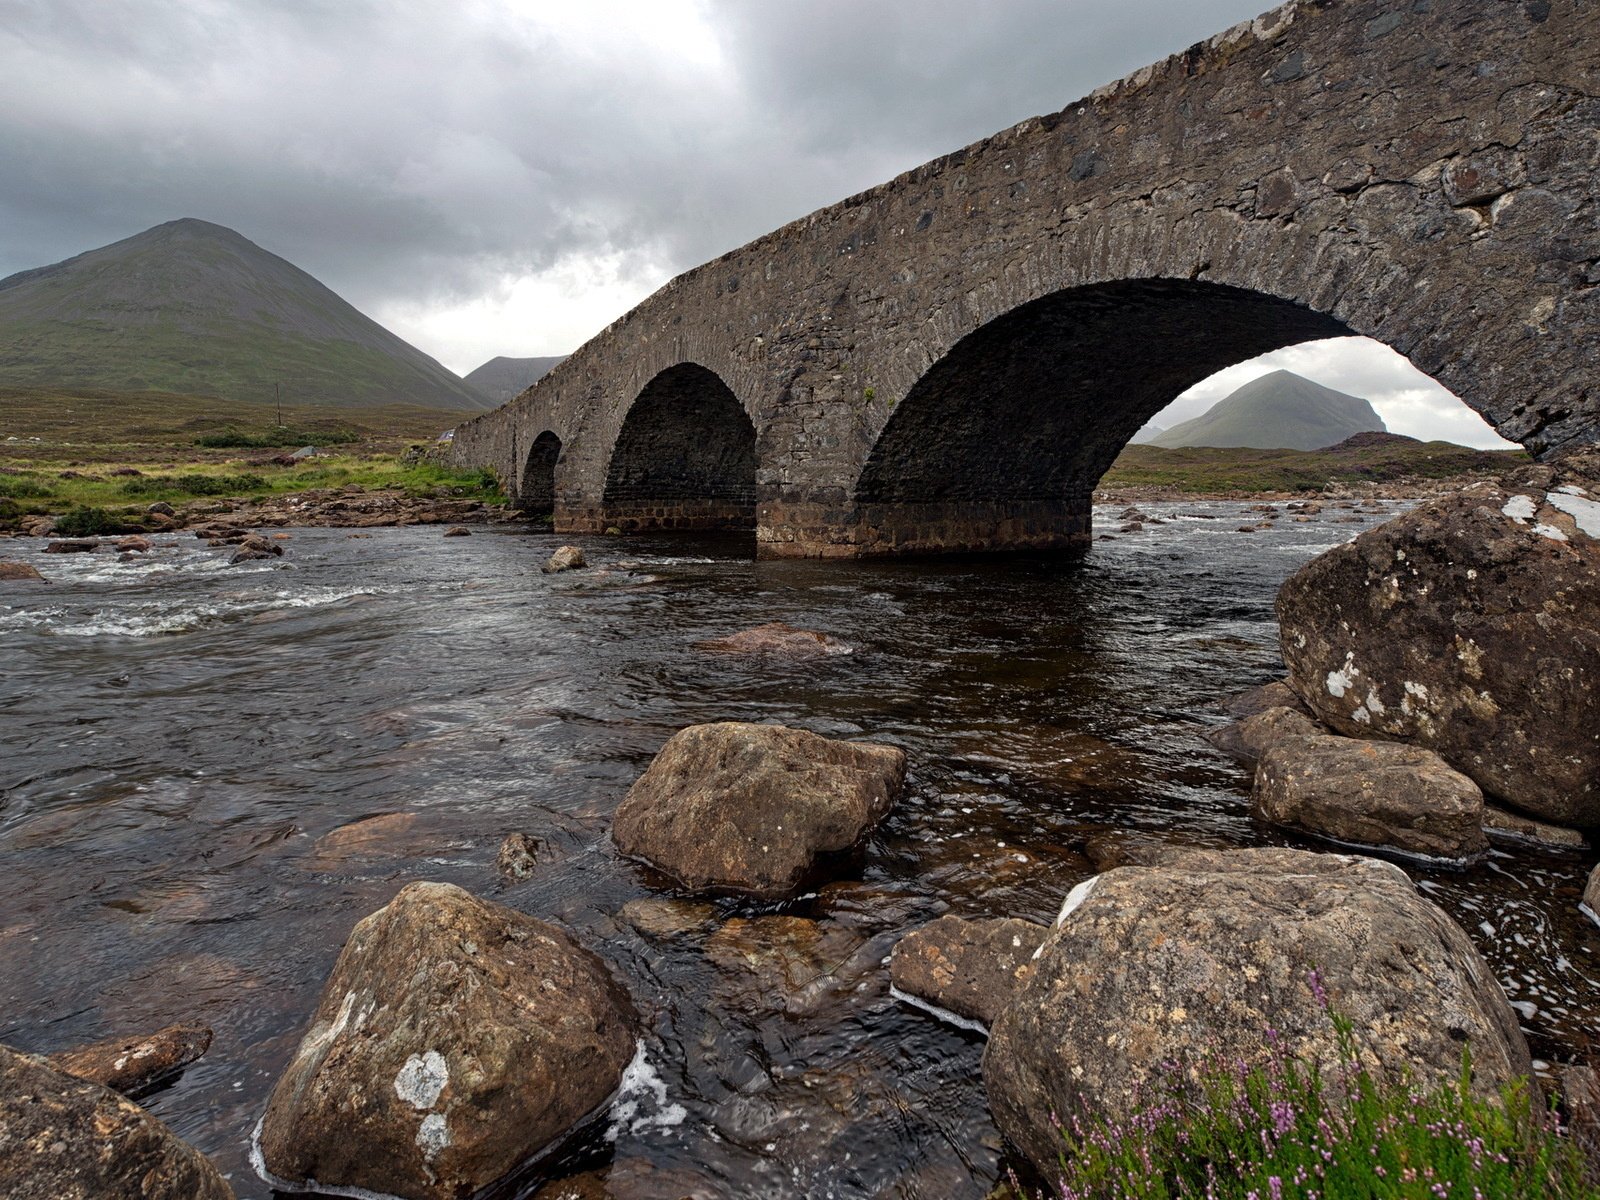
{"type": "Point", "coordinates": [490, 177]}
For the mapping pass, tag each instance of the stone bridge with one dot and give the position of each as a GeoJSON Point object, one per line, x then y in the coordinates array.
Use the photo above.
{"type": "Point", "coordinates": [950, 361]}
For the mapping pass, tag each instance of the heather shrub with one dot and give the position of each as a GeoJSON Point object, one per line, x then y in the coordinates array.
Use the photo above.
{"type": "Point", "coordinates": [1221, 1130]}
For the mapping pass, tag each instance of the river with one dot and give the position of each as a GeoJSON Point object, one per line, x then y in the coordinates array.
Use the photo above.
{"type": "Point", "coordinates": [180, 738]}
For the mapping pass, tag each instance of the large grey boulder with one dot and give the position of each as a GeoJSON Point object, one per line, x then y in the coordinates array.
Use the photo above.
{"type": "Point", "coordinates": [455, 1040]}
{"type": "Point", "coordinates": [742, 808]}
{"type": "Point", "coordinates": [1151, 965]}
{"type": "Point", "coordinates": [63, 1138]}
{"type": "Point", "coordinates": [1470, 626]}
{"type": "Point", "coordinates": [968, 967]}
{"type": "Point", "coordinates": [1365, 793]}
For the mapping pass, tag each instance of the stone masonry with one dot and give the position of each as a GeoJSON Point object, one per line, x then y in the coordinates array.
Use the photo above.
{"type": "Point", "coordinates": [950, 360]}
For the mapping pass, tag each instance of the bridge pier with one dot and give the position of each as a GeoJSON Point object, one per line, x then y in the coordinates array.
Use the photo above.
{"type": "Point", "coordinates": [656, 516]}
{"type": "Point", "coordinates": [880, 530]}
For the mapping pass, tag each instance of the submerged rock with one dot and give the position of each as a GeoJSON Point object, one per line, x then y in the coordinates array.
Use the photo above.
{"type": "Point", "coordinates": [1470, 626]}
{"type": "Point", "coordinates": [665, 919]}
{"type": "Point", "coordinates": [455, 1040]}
{"type": "Point", "coordinates": [775, 637]}
{"type": "Point", "coordinates": [1503, 823]}
{"type": "Point", "coordinates": [136, 1066]}
{"type": "Point", "coordinates": [568, 558]}
{"type": "Point", "coordinates": [18, 572]}
{"type": "Point", "coordinates": [967, 967]}
{"type": "Point", "coordinates": [1277, 694]}
{"type": "Point", "coordinates": [63, 1138]}
{"type": "Point", "coordinates": [1370, 794]}
{"type": "Point", "coordinates": [748, 808]}
{"type": "Point", "coordinates": [1149, 965]}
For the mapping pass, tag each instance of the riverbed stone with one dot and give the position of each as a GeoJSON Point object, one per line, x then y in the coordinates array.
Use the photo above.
{"type": "Point", "coordinates": [1591, 896]}
{"type": "Point", "coordinates": [1276, 694]}
{"type": "Point", "coordinates": [136, 1066]}
{"type": "Point", "coordinates": [1514, 826]}
{"type": "Point", "coordinates": [455, 1039]}
{"type": "Point", "coordinates": [20, 572]}
{"type": "Point", "coordinates": [1149, 965]}
{"type": "Point", "coordinates": [1469, 626]}
{"type": "Point", "coordinates": [567, 558]}
{"type": "Point", "coordinates": [73, 546]}
{"type": "Point", "coordinates": [1366, 793]}
{"type": "Point", "coordinates": [1247, 740]}
{"type": "Point", "coordinates": [63, 1138]}
{"type": "Point", "coordinates": [778, 639]}
{"type": "Point", "coordinates": [747, 809]}
{"type": "Point", "coordinates": [968, 967]}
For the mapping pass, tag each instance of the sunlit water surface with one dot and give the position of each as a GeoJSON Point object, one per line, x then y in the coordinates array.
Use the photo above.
{"type": "Point", "coordinates": [176, 735]}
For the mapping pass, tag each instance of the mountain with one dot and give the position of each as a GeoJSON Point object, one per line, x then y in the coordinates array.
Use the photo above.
{"type": "Point", "coordinates": [196, 308]}
{"type": "Point", "coordinates": [1147, 431]}
{"type": "Point", "coordinates": [1280, 411]}
{"type": "Point", "coordinates": [503, 379]}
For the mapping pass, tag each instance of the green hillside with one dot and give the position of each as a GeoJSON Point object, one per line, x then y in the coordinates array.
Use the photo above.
{"type": "Point", "coordinates": [503, 379]}
{"type": "Point", "coordinates": [1280, 411]}
{"type": "Point", "coordinates": [194, 308]}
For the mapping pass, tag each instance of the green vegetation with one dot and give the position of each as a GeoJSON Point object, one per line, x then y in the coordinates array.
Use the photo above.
{"type": "Point", "coordinates": [93, 522]}
{"type": "Point", "coordinates": [274, 438]}
{"type": "Point", "coordinates": [1285, 1130]}
{"type": "Point", "coordinates": [1369, 458]}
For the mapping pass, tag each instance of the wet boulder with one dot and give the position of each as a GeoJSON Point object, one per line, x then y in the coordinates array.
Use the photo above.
{"type": "Point", "coordinates": [1247, 740]}
{"type": "Point", "coordinates": [1515, 827]}
{"type": "Point", "coordinates": [73, 546]}
{"type": "Point", "coordinates": [568, 558]}
{"type": "Point", "coordinates": [138, 1065]}
{"type": "Point", "coordinates": [747, 809]}
{"type": "Point", "coordinates": [1277, 694]}
{"type": "Point", "coordinates": [20, 572]}
{"type": "Point", "coordinates": [779, 639]}
{"type": "Point", "coordinates": [1149, 965]}
{"type": "Point", "coordinates": [1469, 626]}
{"type": "Point", "coordinates": [1365, 793]}
{"type": "Point", "coordinates": [455, 1039]}
{"type": "Point", "coordinates": [458, 531]}
{"type": "Point", "coordinates": [63, 1138]}
{"type": "Point", "coordinates": [968, 967]}
{"type": "Point", "coordinates": [1591, 896]}
{"type": "Point", "coordinates": [134, 545]}
{"type": "Point", "coordinates": [518, 856]}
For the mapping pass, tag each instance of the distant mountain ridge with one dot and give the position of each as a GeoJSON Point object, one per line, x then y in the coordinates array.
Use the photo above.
{"type": "Point", "coordinates": [503, 379]}
{"type": "Point", "coordinates": [1280, 411]}
{"type": "Point", "coordinates": [197, 308]}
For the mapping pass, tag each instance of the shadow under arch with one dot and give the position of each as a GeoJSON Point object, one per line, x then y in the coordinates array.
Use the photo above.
{"type": "Point", "coordinates": [685, 457]}
{"type": "Point", "coordinates": [536, 493]}
{"type": "Point", "coordinates": [999, 445]}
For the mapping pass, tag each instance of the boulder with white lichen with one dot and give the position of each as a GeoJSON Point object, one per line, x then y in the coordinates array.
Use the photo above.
{"type": "Point", "coordinates": [1470, 626]}
{"type": "Point", "coordinates": [455, 1040]}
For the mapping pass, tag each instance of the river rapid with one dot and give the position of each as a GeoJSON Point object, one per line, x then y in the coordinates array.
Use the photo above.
{"type": "Point", "coordinates": [181, 743]}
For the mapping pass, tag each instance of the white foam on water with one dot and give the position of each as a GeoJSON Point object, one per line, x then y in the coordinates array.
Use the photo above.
{"type": "Point", "coordinates": [944, 1014]}
{"type": "Point", "coordinates": [642, 1088]}
{"type": "Point", "coordinates": [158, 618]}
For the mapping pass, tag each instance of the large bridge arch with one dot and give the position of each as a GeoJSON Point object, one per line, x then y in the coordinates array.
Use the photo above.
{"type": "Point", "coordinates": [684, 457]}
{"type": "Point", "coordinates": [1426, 175]}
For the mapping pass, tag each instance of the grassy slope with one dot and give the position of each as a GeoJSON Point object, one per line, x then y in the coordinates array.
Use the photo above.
{"type": "Point", "coordinates": [1203, 470]}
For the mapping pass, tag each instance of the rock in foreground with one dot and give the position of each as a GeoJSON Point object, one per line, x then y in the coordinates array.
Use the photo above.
{"type": "Point", "coordinates": [1151, 964]}
{"type": "Point", "coordinates": [16, 572]}
{"type": "Point", "coordinates": [1371, 794]}
{"type": "Point", "coordinates": [455, 1039]}
{"type": "Point", "coordinates": [68, 1139]}
{"type": "Point", "coordinates": [135, 1066]}
{"type": "Point", "coordinates": [1470, 626]}
{"type": "Point", "coordinates": [967, 967]}
{"type": "Point", "coordinates": [747, 808]}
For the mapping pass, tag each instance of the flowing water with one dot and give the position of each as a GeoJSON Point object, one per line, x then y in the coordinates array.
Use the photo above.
{"type": "Point", "coordinates": [180, 738]}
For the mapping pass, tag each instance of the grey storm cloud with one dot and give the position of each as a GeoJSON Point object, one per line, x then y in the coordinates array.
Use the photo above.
{"type": "Point", "coordinates": [494, 176]}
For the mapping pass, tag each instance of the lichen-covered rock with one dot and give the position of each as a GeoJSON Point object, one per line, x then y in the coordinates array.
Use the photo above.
{"type": "Point", "coordinates": [1470, 626]}
{"type": "Point", "coordinates": [568, 558]}
{"type": "Point", "coordinates": [455, 1039]}
{"type": "Point", "coordinates": [137, 1065]}
{"type": "Point", "coordinates": [1247, 740]}
{"type": "Point", "coordinates": [968, 967]}
{"type": "Point", "coordinates": [1367, 793]}
{"type": "Point", "coordinates": [63, 1138]}
{"type": "Point", "coordinates": [777, 638]}
{"type": "Point", "coordinates": [1148, 965]}
{"type": "Point", "coordinates": [745, 808]}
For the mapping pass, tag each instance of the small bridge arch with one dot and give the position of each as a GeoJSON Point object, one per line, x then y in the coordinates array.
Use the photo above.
{"type": "Point", "coordinates": [536, 487]}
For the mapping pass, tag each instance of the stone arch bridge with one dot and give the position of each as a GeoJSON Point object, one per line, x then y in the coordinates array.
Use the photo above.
{"type": "Point", "coordinates": [949, 361]}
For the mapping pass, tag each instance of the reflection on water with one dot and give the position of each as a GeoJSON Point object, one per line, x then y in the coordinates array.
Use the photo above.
{"type": "Point", "coordinates": [180, 739]}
